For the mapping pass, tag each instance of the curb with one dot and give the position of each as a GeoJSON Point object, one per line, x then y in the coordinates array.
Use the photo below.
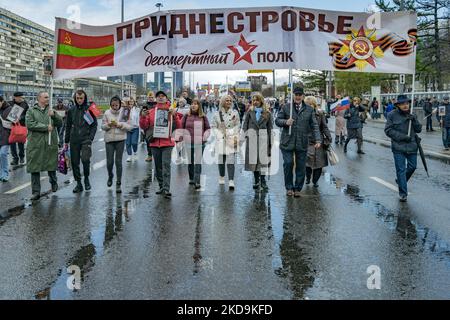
{"type": "Point", "coordinates": [386, 143]}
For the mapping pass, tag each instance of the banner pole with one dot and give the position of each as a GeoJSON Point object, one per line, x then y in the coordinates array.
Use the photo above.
{"type": "Point", "coordinates": [50, 107]}
{"type": "Point", "coordinates": [291, 98]}
{"type": "Point", "coordinates": [412, 100]}
{"type": "Point", "coordinates": [174, 79]}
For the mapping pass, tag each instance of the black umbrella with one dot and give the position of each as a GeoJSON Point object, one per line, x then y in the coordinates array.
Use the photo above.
{"type": "Point", "coordinates": [422, 154]}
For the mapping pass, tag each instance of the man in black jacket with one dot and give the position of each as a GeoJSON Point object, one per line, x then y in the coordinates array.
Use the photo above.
{"type": "Point", "coordinates": [19, 157]}
{"type": "Point", "coordinates": [81, 127]}
{"type": "Point", "coordinates": [354, 124]}
{"type": "Point", "coordinates": [428, 110]}
{"type": "Point", "coordinates": [404, 146]}
{"type": "Point", "coordinates": [303, 122]}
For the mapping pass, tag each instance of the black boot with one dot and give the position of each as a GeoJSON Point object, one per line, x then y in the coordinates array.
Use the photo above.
{"type": "Point", "coordinates": [336, 141]}
{"type": "Point", "coordinates": [78, 188]}
{"type": "Point", "coordinates": [256, 184]}
{"type": "Point", "coordinates": [110, 181]}
{"type": "Point", "coordinates": [35, 196]}
{"type": "Point", "coordinates": [87, 184]}
{"type": "Point", "coordinates": [264, 186]}
{"type": "Point", "coordinates": [54, 187]}
{"type": "Point", "coordinates": [345, 146]}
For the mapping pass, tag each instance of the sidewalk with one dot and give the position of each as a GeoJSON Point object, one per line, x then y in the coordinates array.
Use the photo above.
{"type": "Point", "coordinates": [374, 132]}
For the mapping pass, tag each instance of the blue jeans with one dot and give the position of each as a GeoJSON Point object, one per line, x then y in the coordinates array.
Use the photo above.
{"type": "Point", "coordinates": [132, 141]}
{"type": "Point", "coordinates": [405, 165]}
{"type": "Point", "coordinates": [300, 169]}
{"type": "Point", "coordinates": [446, 137]}
{"type": "Point", "coordinates": [4, 165]}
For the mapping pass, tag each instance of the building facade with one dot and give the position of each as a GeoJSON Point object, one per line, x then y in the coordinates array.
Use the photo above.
{"type": "Point", "coordinates": [23, 45]}
{"type": "Point", "coordinates": [100, 91]}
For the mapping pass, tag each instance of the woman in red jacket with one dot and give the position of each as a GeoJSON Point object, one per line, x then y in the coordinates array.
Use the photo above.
{"type": "Point", "coordinates": [165, 120]}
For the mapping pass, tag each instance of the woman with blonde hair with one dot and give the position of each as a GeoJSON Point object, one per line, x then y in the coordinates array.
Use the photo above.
{"type": "Point", "coordinates": [226, 122]}
{"type": "Point", "coordinates": [257, 128]}
{"type": "Point", "coordinates": [317, 157]}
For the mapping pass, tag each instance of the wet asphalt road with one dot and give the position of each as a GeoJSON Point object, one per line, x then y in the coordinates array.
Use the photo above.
{"type": "Point", "coordinates": [217, 244]}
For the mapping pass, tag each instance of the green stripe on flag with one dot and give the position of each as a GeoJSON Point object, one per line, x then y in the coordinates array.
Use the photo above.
{"type": "Point", "coordinates": [78, 52]}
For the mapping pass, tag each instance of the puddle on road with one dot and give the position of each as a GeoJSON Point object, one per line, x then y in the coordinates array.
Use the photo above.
{"type": "Point", "coordinates": [396, 220]}
{"type": "Point", "coordinates": [119, 212]}
{"type": "Point", "coordinates": [5, 215]}
{"type": "Point", "coordinates": [198, 230]}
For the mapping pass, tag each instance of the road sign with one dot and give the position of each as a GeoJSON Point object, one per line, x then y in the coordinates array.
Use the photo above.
{"type": "Point", "coordinates": [243, 86]}
{"type": "Point", "coordinates": [402, 78]}
{"type": "Point", "coordinates": [260, 71]}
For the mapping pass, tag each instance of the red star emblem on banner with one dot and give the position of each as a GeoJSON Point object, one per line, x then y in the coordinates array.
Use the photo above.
{"type": "Point", "coordinates": [243, 51]}
{"type": "Point", "coordinates": [361, 47]}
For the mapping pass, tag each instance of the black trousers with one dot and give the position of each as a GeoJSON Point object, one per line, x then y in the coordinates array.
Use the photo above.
{"type": "Point", "coordinates": [195, 156]}
{"type": "Point", "coordinates": [429, 122]}
{"type": "Point", "coordinates": [21, 154]}
{"type": "Point", "coordinates": [315, 173]}
{"type": "Point", "coordinates": [114, 155]}
{"type": "Point", "coordinates": [230, 165]}
{"type": "Point", "coordinates": [80, 153]}
{"type": "Point", "coordinates": [36, 180]}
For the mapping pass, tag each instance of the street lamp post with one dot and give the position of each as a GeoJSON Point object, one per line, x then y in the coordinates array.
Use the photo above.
{"type": "Point", "coordinates": [122, 78]}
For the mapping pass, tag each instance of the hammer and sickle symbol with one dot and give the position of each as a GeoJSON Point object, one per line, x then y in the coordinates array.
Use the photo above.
{"type": "Point", "coordinates": [361, 48]}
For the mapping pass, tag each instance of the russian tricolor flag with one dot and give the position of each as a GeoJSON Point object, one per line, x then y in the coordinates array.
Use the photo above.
{"type": "Point", "coordinates": [340, 105]}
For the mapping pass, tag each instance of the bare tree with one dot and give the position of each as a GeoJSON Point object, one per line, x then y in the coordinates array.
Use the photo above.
{"type": "Point", "coordinates": [432, 25]}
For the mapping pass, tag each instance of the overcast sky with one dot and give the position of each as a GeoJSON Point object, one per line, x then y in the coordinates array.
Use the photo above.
{"type": "Point", "coordinates": [105, 12]}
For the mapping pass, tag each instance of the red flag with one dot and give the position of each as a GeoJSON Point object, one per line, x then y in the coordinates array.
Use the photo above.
{"type": "Point", "coordinates": [94, 110]}
{"type": "Point", "coordinates": [76, 51]}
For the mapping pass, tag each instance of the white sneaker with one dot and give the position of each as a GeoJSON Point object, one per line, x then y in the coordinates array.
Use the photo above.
{"type": "Point", "coordinates": [129, 159]}
{"type": "Point", "coordinates": [231, 184]}
{"type": "Point", "coordinates": [178, 161]}
{"type": "Point", "coordinates": [221, 180]}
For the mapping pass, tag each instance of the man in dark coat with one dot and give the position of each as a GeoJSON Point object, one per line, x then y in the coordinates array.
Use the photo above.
{"type": "Point", "coordinates": [445, 123]}
{"type": "Point", "coordinates": [80, 133]}
{"type": "Point", "coordinates": [404, 146]}
{"type": "Point", "coordinates": [354, 124]}
{"type": "Point", "coordinates": [19, 157]}
{"type": "Point", "coordinates": [428, 110]}
{"type": "Point", "coordinates": [302, 123]}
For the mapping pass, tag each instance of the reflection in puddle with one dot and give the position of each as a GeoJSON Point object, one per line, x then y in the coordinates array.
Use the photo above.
{"type": "Point", "coordinates": [398, 220]}
{"type": "Point", "coordinates": [100, 238]}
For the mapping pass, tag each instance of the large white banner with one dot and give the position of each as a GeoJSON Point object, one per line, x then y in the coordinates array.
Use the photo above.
{"type": "Point", "coordinates": [238, 39]}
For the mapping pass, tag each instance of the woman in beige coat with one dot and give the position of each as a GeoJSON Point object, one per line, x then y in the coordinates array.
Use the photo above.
{"type": "Point", "coordinates": [341, 127]}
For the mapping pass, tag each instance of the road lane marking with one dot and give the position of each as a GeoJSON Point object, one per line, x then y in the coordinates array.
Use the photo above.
{"type": "Point", "coordinates": [101, 150]}
{"type": "Point", "coordinates": [384, 183]}
{"type": "Point", "coordinates": [101, 140]}
{"type": "Point", "coordinates": [26, 185]}
{"type": "Point", "coordinates": [99, 164]}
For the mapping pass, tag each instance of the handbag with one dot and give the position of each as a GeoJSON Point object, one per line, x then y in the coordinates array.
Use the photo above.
{"type": "Point", "coordinates": [332, 156]}
{"type": "Point", "coordinates": [62, 161]}
{"type": "Point", "coordinates": [18, 134]}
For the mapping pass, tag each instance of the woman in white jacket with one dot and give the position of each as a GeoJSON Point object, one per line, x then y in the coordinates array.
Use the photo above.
{"type": "Point", "coordinates": [116, 130]}
{"type": "Point", "coordinates": [226, 123]}
{"type": "Point", "coordinates": [132, 112]}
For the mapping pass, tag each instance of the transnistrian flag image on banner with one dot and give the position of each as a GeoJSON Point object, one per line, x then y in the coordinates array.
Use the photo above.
{"type": "Point", "coordinates": [77, 51]}
{"type": "Point", "coordinates": [239, 39]}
